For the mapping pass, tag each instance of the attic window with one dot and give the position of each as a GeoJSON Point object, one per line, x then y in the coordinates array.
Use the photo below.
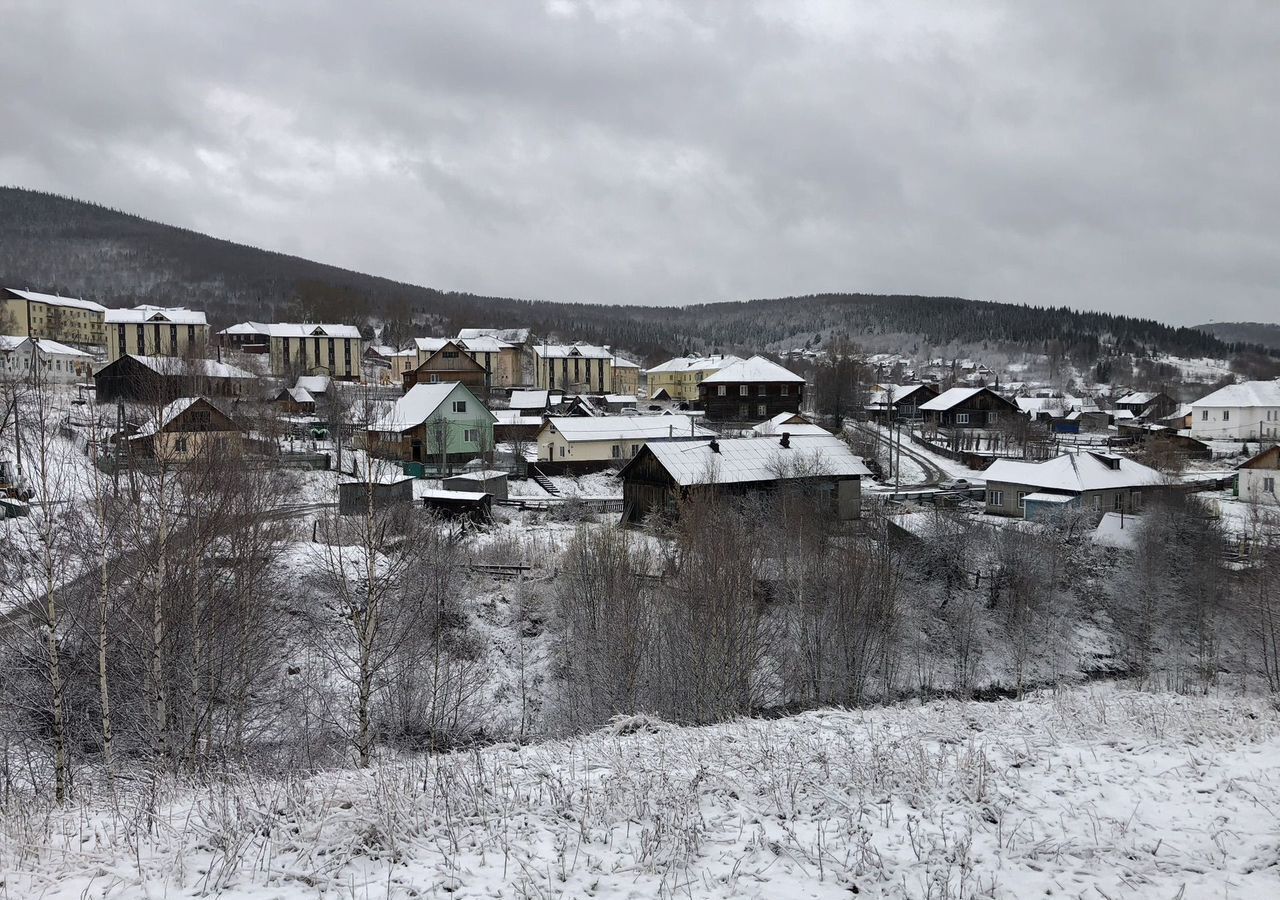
{"type": "Point", "coordinates": [320, 331]}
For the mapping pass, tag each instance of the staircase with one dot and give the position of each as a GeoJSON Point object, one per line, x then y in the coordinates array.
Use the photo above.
{"type": "Point", "coordinates": [543, 481]}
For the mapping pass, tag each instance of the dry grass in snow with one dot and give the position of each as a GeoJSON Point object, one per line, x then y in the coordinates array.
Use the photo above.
{"type": "Point", "coordinates": [1089, 793]}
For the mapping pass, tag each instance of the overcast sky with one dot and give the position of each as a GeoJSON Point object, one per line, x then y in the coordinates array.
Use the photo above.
{"type": "Point", "coordinates": [1118, 156]}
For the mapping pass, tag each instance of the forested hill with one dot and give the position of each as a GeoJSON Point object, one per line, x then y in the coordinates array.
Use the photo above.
{"type": "Point", "coordinates": [1262, 333]}
{"type": "Point", "coordinates": [60, 245]}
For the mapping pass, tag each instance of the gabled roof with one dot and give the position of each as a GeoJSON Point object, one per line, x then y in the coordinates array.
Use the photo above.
{"type": "Point", "coordinates": [177, 365]}
{"type": "Point", "coordinates": [506, 335]}
{"type": "Point", "coordinates": [953, 397]}
{"type": "Point", "coordinates": [172, 315]}
{"type": "Point", "coordinates": [1138, 398]}
{"type": "Point", "coordinates": [694, 364]}
{"type": "Point", "coordinates": [788, 423]}
{"type": "Point", "coordinates": [430, 344]}
{"type": "Point", "coordinates": [622, 363]}
{"type": "Point", "coordinates": [483, 344]}
{"type": "Point", "coordinates": [314, 384]}
{"type": "Point", "coordinates": [755, 369]}
{"type": "Point", "coordinates": [10, 342]}
{"type": "Point", "coordinates": [247, 328]}
{"type": "Point", "coordinates": [567, 351]}
{"type": "Point", "coordinates": [530, 399]}
{"type": "Point", "coordinates": [308, 329]}
{"type": "Point", "coordinates": [55, 300]}
{"type": "Point", "coordinates": [170, 412]}
{"type": "Point", "coordinates": [900, 392]}
{"type": "Point", "coordinates": [753, 459]}
{"type": "Point", "coordinates": [624, 428]}
{"type": "Point", "coordinates": [300, 395]}
{"type": "Point", "coordinates": [1074, 472]}
{"type": "Point", "coordinates": [1247, 393]}
{"type": "Point", "coordinates": [1267, 459]}
{"type": "Point", "coordinates": [422, 401]}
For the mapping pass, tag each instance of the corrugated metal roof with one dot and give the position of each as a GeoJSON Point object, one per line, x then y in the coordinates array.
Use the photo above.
{"type": "Point", "coordinates": [756, 459]}
{"type": "Point", "coordinates": [604, 428]}
{"type": "Point", "coordinates": [755, 369]}
{"type": "Point", "coordinates": [1074, 472]}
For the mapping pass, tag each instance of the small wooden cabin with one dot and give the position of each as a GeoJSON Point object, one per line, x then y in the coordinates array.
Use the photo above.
{"type": "Point", "coordinates": [449, 363]}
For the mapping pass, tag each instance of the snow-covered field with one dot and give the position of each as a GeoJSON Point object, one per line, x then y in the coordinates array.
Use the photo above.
{"type": "Point", "coordinates": [1094, 793]}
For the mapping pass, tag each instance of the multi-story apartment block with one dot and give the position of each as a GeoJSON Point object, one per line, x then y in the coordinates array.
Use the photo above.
{"type": "Point", "coordinates": [63, 319]}
{"type": "Point", "coordinates": [155, 331]}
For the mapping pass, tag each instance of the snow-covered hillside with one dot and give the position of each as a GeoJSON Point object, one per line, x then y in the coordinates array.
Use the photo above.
{"type": "Point", "coordinates": [1094, 793]}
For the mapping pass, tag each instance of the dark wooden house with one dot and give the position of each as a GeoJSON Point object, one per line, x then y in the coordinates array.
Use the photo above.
{"type": "Point", "coordinates": [750, 390]}
{"type": "Point", "coordinates": [668, 472]}
{"type": "Point", "coordinates": [449, 363]}
{"type": "Point", "coordinates": [1148, 406]}
{"type": "Point", "coordinates": [968, 407]}
{"type": "Point", "coordinates": [159, 379]}
{"type": "Point", "coordinates": [184, 430]}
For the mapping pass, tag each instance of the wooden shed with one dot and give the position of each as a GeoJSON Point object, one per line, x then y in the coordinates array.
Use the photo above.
{"type": "Point", "coordinates": [474, 506]}
{"type": "Point", "coordinates": [488, 481]}
{"type": "Point", "coordinates": [353, 496]}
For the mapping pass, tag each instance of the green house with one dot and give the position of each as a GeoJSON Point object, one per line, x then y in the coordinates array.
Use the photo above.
{"type": "Point", "coordinates": [439, 425]}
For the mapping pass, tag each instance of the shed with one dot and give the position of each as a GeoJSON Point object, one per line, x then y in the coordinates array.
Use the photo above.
{"type": "Point", "coordinates": [488, 481]}
{"type": "Point", "coordinates": [1040, 505]}
{"type": "Point", "coordinates": [474, 506]}
{"type": "Point", "coordinates": [353, 496]}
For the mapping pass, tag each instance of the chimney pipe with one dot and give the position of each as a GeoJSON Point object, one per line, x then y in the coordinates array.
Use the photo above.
{"type": "Point", "coordinates": [786, 440]}
{"type": "Point", "coordinates": [714, 445]}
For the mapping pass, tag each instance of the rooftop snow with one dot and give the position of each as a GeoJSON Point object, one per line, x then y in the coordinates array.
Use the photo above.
{"type": "Point", "coordinates": [55, 300]}
{"type": "Point", "coordinates": [950, 398]}
{"type": "Point", "coordinates": [10, 342]}
{"type": "Point", "coordinates": [174, 315]}
{"type": "Point", "coordinates": [299, 330]}
{"type": "Point", "coordinates": [755, 459]}
{"type": "Point", "coordinates": [176, 365]}
{"type": "Point", "coordinates": [755, 369]}
{"type": "Point", "coordinates": [694, 364]}
{"type": "Point", "coordinates": [622, 363]}
{"type": "Point", "coordinates": [314, 384]}
{"type": "Point", "coordinates": [1075, 472]}
{"type": "Point", "coordinates": [421, 403]}
{"type": "Point", "coordinates": [506, 335]}
{"type": "Point", "coordinates": [566, 351]}
{"type": "Point", "coordinates": [1247, 393]}
{"type": "Point", "coordinates": [530, 399]}
{"type": "Point", "coordinates": [605, 428]}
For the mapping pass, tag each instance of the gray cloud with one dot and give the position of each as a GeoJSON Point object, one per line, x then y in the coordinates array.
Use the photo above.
{"type": "Point", "coordinates": [1106, 156]}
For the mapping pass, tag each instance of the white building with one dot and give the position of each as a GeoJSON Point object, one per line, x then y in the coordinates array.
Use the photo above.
{"type": "Point", "coordinates": [1248, 411]}
{"type": "Point", "coordinates": [1260, 478]}
{"type": "Point", "coordinates": [591, 440]}
{"type": "Point", "coordinates": [58, 362]}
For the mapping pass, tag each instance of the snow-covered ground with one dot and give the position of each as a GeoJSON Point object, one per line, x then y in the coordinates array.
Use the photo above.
{"type": "Point", "coordinates": [1093, 793]}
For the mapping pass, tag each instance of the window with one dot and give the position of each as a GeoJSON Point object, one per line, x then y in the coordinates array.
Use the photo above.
{"type": "Point", "coordinates": [1118, 500]}
{"type": "Point", "coordinates": [722, 390]}
{"type": "Point", "coordinates": [1022, 499]}
{"type": "Point", "coordinates": [635, 448]}
{"type": "Point", "coordinates": [761, 390]}
{"type": "Point", "coordinates": [995, 498]}
{"type": "Point", "coordinates": [1135, 499]}
{"type": "Point", "coordinates": [1097, 502]}
{"type": "Point", "coordinates": [744, 411]}
{"type": "Point", "coordinates": [471, 435]}
{"type": "Point", "coordinates": [1268, 485]}
{"type": "Point", "coordinates": [785, 390]}
{"type": "Point", "coordinates": [562, 452]}
{"type": "Point", "coordinates": [180, 445]}
{"type": "Point", "coordinates": [1226, 415]}
{"type": "Point", "coordinates": [1204, 415]}
{"type": "Point", "coordinates": [435, 379]}
{"type": "Point", "coordinates": [451, 354]}
{"type": "Point", "coordinates": [743, 390]}
{"type": "Point", "coordinates": [617, 451]}
{"type": "Point", "coordinates": [762, 410]}
{"type": "Point", "coordinates": [962, 418]}
{"type": "Point", "coordinates": [459, 405]}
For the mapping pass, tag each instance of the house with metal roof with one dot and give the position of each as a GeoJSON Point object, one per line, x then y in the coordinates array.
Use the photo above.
{"type": "Point", "coordinates": [1247, 411]}
{"type": "Point", "coordinates": [751, 390]}
{"type": "Point", "coordinates": [586, 443]}
{"type": "Point", "coordinates": [1090, 480]}
{"type": "Point", "coordinates": [968, 407]}
{"type": "Point", "coordinates": [437, 424]}
{"type": "Point", "coordinates": [666, 473]}
{"type": "Point", "coordinates": [678, 378]}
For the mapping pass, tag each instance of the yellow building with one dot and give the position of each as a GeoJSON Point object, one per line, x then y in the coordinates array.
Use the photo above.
{"type": "Point", "coordinates": [573, 368]}
{"type": "Point", "coordinates": [678, 379]}
{"type": "Point", "coordinates": [155, 331]}
{"type": "Point", "coordinates": [626, 376]}
{"type": "Point", "coordinates": [307, 349]}
{"type": "Point", "coordinates": [63, 319]}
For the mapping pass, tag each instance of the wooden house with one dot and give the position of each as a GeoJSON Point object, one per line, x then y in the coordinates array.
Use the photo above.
{"type": "Point", "coordinates": [968, 407]}
{"type": "Point", "coordinates": [666, 473]}
{"type": "Point", "coordinates": [185, 429]}
{"type": "Point", "coordinates": [504, 352]}
{"type": "Point", "coordinates": [449, 363]}
{"type": "Point", "coordinates": [439, 424]}
{"type": "Point", "coordinates": [585, 443]}
{"type": "Point", "coordinates": [899, 402]}
{"type": "Point", "coordinates": [1093, 480]}
{"type": "Point", "coordinates": [678, 379]}
{"type": "Point", "coordinates": [296, 401]}
{"type": "Point", "coordinates": [750, 390]}
{"type": "Point", "coordinates": [1148, 406]}
{"type": "Point", "coordinates": [791, 423]}
{"type": "Point", "coordinates": [159, 379]}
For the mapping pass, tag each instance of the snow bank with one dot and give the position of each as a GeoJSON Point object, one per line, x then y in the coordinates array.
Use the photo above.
{"type": "Point", "coordinates": [1089, 793]}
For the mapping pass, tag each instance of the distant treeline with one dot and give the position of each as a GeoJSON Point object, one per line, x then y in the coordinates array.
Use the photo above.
{"type": "Point", "coordinates": [61, 245]}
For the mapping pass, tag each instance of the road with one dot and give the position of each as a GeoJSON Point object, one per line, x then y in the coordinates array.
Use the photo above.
{"type": "Point", "coordinates": [934, 475]}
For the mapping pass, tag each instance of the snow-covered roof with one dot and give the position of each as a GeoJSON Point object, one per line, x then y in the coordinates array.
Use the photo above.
{"type": "Point", "coordinates": [1038, 497]}
{"type": "Point", "coordinates": [605, 428]}
{"type": "Point", "coordinates": [753, 459]}
{"type": "Point", "coordinates": [1247, 393]}
{"type": "Point", "coordinates": [620, 362]}
{"type": "Point", "coordinates": [55, 300]}
{"type": "Point", "coordinates": [565, 351]}
{"type": "Point", "coordinates": [430, 344]}
{"type": "Point", "coordinates": [515, 417]}
{"type": "Point", "coordinates": [421, 403]}
{"type": "Point", "coordinates": [1122, 415]}
{"type": "Point", "coordinates": [506, 335]}
{"type": "Point", "coordinates": [1118, 530]}
{"type": "Point", "coordinates": [314, 384]}
{"type": "Point", "coordinates": [1138, 398]}
{"type": "Point", "coordinates": [246, 328]}
{"type": "Point", "coordinates": [170, 412]}
{"type": "Point", "coordinates": [1031, 405]}
{"type": "Point", "coordinates": [300, 395]}
{"type": "Point", "coordinates": [11, 342]}
{"type": "Point", "coordinates": [755, 369]}
{"type": "Point", "coordinates": [483, 344]}
{"type": "Point", "coordinates": [437, 494]}
{"type": "Point", "coordinates": [177, 365]}
{"type": "Point", "coordinates": [711, 363]}
{"type": "Point", "coordinates": [174, 315]}
{"type": "Point", "coordinates": [308, 329]}
{"type": "Point", "coordinates": [1074, 472]}
{"type": "Point", "coordinates": [781, 423]}
{"type": "Point", "coordinates": [480, 475]}
{"type": "Point", "coordinates": [530, 399]}
{"type": "Point", "coordinates": [620, 399]}
{"type": "Point", "coordinates": [950, 398]}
